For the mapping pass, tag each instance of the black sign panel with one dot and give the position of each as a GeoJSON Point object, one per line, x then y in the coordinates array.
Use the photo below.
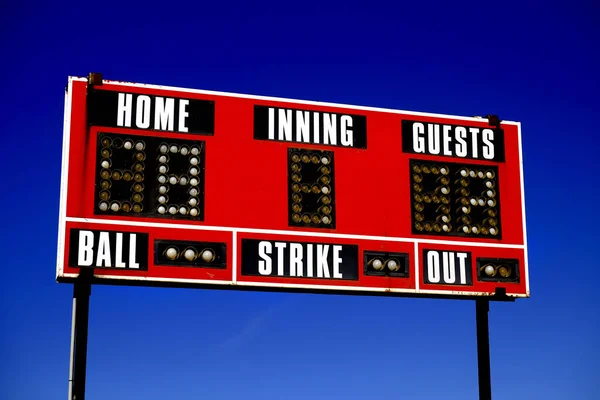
{"type": "Point", "coordinates": [442, 267]}
{"type": "Point", "coordinates": [310, 127]}
{"type": "Point", "coordinates": [458, 141]}
{"type": "Point", "coordinates": [150, 112]}
{"type": "Point", "coordinates": [299, 259]}
{"type": "Point", "coordinates": [91, 248]}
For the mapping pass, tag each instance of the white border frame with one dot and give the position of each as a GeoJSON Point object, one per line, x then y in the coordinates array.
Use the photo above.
{"type": "Point", "coordinates": [235, 230]}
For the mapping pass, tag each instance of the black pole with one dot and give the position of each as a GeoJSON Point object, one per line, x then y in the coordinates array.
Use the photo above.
{"type": "Point", "coordinates": [482, 308]}
{"type": "Point", "coordinates": [79, 337]}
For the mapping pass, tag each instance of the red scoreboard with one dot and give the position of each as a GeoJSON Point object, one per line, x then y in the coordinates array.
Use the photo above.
{"type": "Point", "coordinates": [165, 186]}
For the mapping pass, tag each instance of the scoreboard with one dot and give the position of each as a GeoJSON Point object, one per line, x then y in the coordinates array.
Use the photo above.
{"type": "Point", "coordinates": [165, 186]}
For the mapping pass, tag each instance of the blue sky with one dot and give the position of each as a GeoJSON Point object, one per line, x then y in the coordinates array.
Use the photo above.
{"type": "Point", "coordinates": [534, 63]}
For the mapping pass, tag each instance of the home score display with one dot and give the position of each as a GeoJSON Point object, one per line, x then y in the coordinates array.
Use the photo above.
{"type": "Point", "coordinates": [166, 186]}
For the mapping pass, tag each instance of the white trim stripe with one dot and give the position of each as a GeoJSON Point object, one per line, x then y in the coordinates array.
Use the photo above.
{"type": "Point", "coordinates": [525, 255]}
{"type": "Point", "coordinates": [417, 271]}
{"type": "Point", "coordinates": [290, 233]}
{"type": "Point", "coordinates": [234, 256]}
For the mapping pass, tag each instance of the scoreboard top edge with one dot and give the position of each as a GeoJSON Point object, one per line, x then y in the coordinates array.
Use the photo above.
{"type": "Point", "coordinates": [289, 100]}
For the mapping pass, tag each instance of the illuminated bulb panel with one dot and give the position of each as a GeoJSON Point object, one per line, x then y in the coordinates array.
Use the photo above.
{"type": "Point", "coordinates": [190, 254]}
{"type": "Point", "coordinates": [386, 264]}
{"type": "Point", "coordinates": [450, 199]}
{"type": "Point", "coordinates": [145, 176]}
{"type": "Point", "coordinates": [311, 188]}
{"type": "Point", "coordinates": [498, 270]}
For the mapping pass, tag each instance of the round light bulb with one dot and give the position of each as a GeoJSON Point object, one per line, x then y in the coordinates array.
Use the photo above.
{"type": "Point", "coordinates": [183, 210]}
{"type": "Point", "coordinates": [463, 172]}
{"type": "Point", "coordinates": [103, 206]}
{"type": "Point", "coordinates": [445, 218]}
{"type": "Point", "coordinates": [194, 161]}
{"type": "Point", "coordinates": [194, 212]}
{"type": "Point", "coordinates": [162, 179]}
{"type": "Point", "coordinates": [174, 149]}
{"type": "Point", "coordinates": [445, 190]}
{"type": "Point", "coordinates": [173, 180]}
{"type": "Point", "coordinates": [128, 145]}
{"type": "Point", "coordinates": [445, 228]}
{"type": "Point", "coordinates": [474, 201]}
{"type": "Point", "coordinates": [493, 231]}
{"type": "Point", "coordinates": [489, 175]}
{"type": "Point", "coordinates": [163, 149]}
{"type": "Point", "coordinates": [195, 151]}
{"type": "Point", "coordinates": [162, 159]}
{"type": "Point", "coordinates": [325, 160]}
{"type": "Point", "coordinates": [189, 255]}
{"type": "Point", "coordinates": [325, 189]}
{"type": "Point", "coordinates": [475, 229]}
{"type": "Point", "coordinates": [489, 270]}
{"type": "Point", "coordinates": [171, 253]}
{"type": "Point", "coordinates": [480, 174]}
{"type": "Point", "coordinates": [162, 199]}
{"type": "Point", "coordinates": [184, 151]}
{"type": "Point", "coordinates": [490, 193]}
{"type": "Point", "coordinates": [162, 169]}
{"type": "Point", "coordinates": [489, 184]}
{"type": "Point", "coordinates": [326, 219]}
{"type": "Point", "coordinates": [139, 146]}
{"type": "Point", "coordinates": [193, 171]}
{"type": "Point", "coordinates": [114, 207]}
{"type": "Point", "coordinates": [105, 164]}
{"type": "Point", "coordinates": [183, 180]}
{"type": "Point", "coordinates": [162, 209]}
{"type": "Point", "coordinates": [443, 170]}
{"type": "Point", "coordinates": [162, 189]}
{"type": "Point", "coordinates": [481, 202]}
{"type": "Point", "coordinates": [192, 202]}
{"type": "Point", "coordinates": [173, 210]}
{"type": "Point", "coordinates": [465, 229]}
{"type": "Point", "coordinates": [377, 264]}
{"type": "Point", "coordinates": [207, 255]}
{"type": "Point", "coordinates": [472, 174]}
{"type": "Point", "coordinates": [193, 181]}
{"type": "Point", "coordinates": [393, 265]}
{"type": "Point", "coordinates": [193, 191]}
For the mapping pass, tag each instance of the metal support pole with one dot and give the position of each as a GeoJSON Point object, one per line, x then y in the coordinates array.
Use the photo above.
{"type": "Point", "coordinates": [79, 337]}
{"type": "Point", "coordinates": [482, 308]}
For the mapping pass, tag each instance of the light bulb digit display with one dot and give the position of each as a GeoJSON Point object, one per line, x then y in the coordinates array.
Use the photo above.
{"type": "Point", "coordinates": [311, 189]}
{"type": "Point", "coordinates": [145, 176]}
{"type": "Point", "coordinates": [454, 199]}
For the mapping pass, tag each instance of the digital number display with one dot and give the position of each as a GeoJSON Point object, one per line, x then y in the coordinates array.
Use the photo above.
{"type": "Point", "coordinates": [146, 176]}
{"type": "Point", "coordinates": [311, 190]}
{"type": "Point", "coordinates": [455, 199]}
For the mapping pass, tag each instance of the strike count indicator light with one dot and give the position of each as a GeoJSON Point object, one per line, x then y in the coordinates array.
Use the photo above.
{"type": "Point", "coordinates": [498, 270]}
{"type": "Point", "coordinates": [455, 199]}
{"type": "Point", "coordinates": [386, 264]}
{"type": "Point", "coordinates": [311, 191]}
{"type": "Point", "coordinates": [146, 176]}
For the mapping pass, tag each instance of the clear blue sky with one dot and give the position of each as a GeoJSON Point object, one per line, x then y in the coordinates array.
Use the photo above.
{"type": "Point", "coordinates": [537, 64]}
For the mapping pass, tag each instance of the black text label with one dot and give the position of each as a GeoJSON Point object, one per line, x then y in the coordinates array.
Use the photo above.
{"type": "Point", "coordinates": [140, 111]}
{"type": "Point", "coordinates": [299, 260]}
{"type": "Point", "coordinates": [447, 267]}
{"type": "Point", "coordinates": [310, 127]}
{"type": "Point", "coordinates": [108, 249]}
{"type": "Point", "coordinates": [453, 141]}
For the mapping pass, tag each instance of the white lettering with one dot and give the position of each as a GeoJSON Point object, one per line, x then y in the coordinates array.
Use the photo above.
{"type": "Point", "coordinates": [119, 251]}
{"type": "Point", "coordinates": [316, 126]}
{"type": "Point", "coordinates": [461, 147]}
{"type": "Point", "coordinates": [103, 257]}
{"type": "Point", "coordinates": [337, 260]}
{"type": "Point", "coordinates": [418, 141]}
{"type": "Point", "coordinates": [280, 257]}
{"type": "Point", "coordinates": [448, 262]}
{"type": "Point", "coordinates": [85, 256]}
{"type": "Point", "coordinates": [433, 266]}
{"type": "Point", "coordinates": [474, 131]}
{"type": "Point", "coordinates": [295, 259]}
{"type": "Point", "coordinates": [462, 267]}
{"type": "Point", "coordinates": [329, 124]}
{"type": "Point", "coordinates": [446, 133]}
{"type": "Point", "coordinates": [142, 112]}
{"type": "Point", "coordinates": [183, 114]}
{"type": "Point", "coordinates": [488, 149]}
{"type": "Point", "coordinates": [433, 138]}
{"type": "Point", "coordinates": [164, 114]}
{"type": "Point", "coordinates": [132, 250]}
{"type": "Point", "coordinates": [285, 125]}
{"type": "Point", "coordinates": [124, 109]}
{"type": "Point", "coordinates": [309, 260]}
{"type": "Point", "coordinates": [271, 123]}
{"type": "Point", "coordinates": [322, 266]}
{"type": "Point", "coordinates": [303, 126]}
{"type": "Point", "coordinates": [346, 123]}
{"type": "Point", "coordinates": [265, 265]}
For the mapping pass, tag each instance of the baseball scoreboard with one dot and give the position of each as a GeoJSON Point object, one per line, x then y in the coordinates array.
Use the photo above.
{"type": "Point", "coordinates": [165, 186]}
